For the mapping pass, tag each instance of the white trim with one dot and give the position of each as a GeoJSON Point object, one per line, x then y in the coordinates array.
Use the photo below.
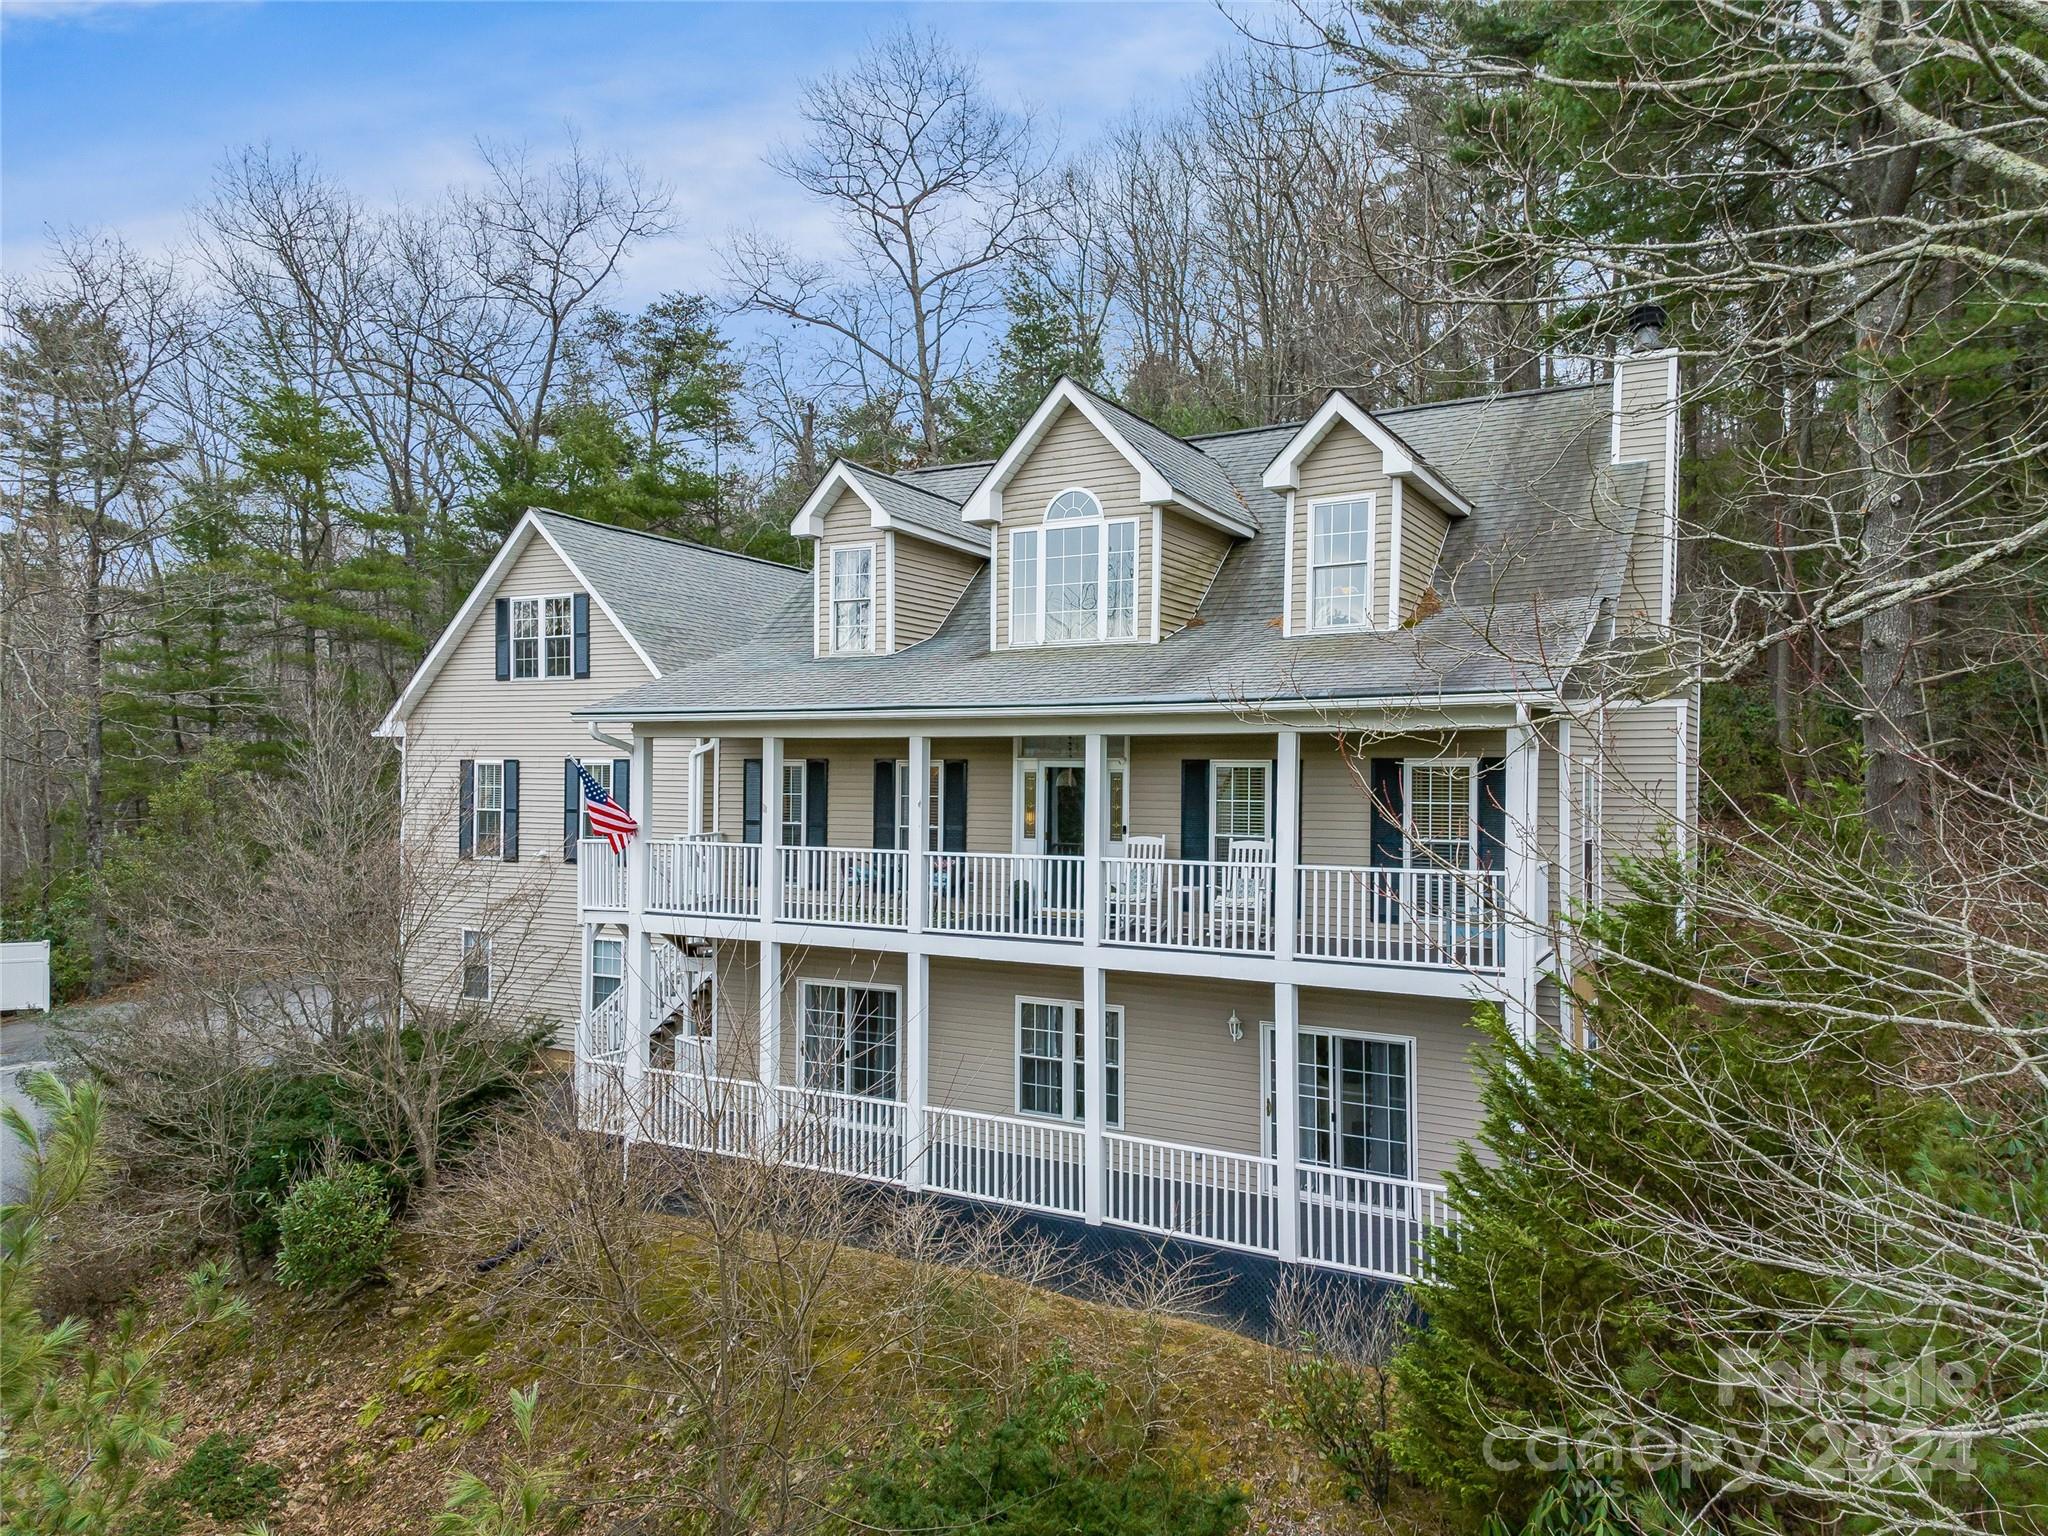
{"type": "Point", "coordinates": [985, 504]}
{"type": "Point", "coordinates": [1284, 473]}
{"type": "Point", "coordinates": [842, 720]}
{"type": "Point", "coordinates": [393, 723]}
{"type": "Point", "coordinates": [809, 522]}
{"type": "Point", "coordinates": [1287, 569]}
{"type": "Point", "coordinates": [1408, 836]}
{"type": "Point", "coordinates": [1069, 1076]}
{"type": "Point", "coordinates": [995, 574]}
{"type": "Point", "coordinates": [803, 985]}
{"type": "Point", "coordinates": [1372, 517]}
{"type": "Point", "coordinates": [1158, 568]}
{"type": "Point", "coordinates": [821, 604]}
{"type": "Point", "coordinates": [1670, 491]}
{"type": "Point", "coordinates": [541, 674]}
{"type": "Point", "coordinates": [831, 567]}
{"type": "Point", "coordinates": [1095, 501]}
{"type": "Point", "coordinates": [1396, 516]}
{"type": "Point", "coordinates": [888, 645]}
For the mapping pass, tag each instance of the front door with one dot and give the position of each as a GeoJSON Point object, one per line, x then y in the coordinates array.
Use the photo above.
{"type": "Point", "coordinates": [1065, 798]}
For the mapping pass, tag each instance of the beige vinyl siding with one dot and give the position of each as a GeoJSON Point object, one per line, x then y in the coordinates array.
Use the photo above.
{"type": "Point", "coordinates": [1423, 531]}
{"type": "Point", "coordinates": [737, 1024]}
{"type": "Point", "coordinates": [974, 1029]}
{"type": "Point", "coordinates": [1446, 1111]}
{"type": "Point", "coordinates": [1336, 786]}
{"type": "Point", "coordinates": [1639, 788]}
{"type": "Point", "coordinates": [1339, 468]}
{"type": "Point", "coordinates": [929, 580]}
{"type": "Point", "coordinates": [1191, 552]}
{"type": "Point", "coordinates": [1644, 404]}
{"type": "Point", "coordinates": [1071, 453]}
{"type": "Point", "coordinates": [849, 783]}
{"type": "Point", "coordinates": [991, 787]}
{"type": "Point", "coordinates": [733, 752]}
{"type": "Point", "coordinates": [1185, 1079]}
{"type": "Point", "coordinates": [847, 522]}
{"type": "Point", "coordinates": [467, 713]}
{"type": "Point", "coordinates": [1152, 790]}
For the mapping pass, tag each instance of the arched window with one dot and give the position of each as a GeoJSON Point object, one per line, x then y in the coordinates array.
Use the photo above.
{"type": "Point", "coordinates": [1072, 504]}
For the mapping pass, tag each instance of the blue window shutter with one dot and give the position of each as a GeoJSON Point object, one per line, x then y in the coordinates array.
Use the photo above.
{"type": "Point", "coordinates": [465, 800]}
{"type": "Point", "coordinates": [1493, 812]}
{"type": "Point", "coordinates": [815, 824]}
{"type": "Point", "coordinates": [953, 825]}
{"type": "Point", "coordinates": [622, 783]}
{"type": "Point", "coordinates": [1389, 842]}
{"type": "Point", "coordinates": [580, 605]}
{"type": "Point", "coordinates": [504, 620]}
{"type": "Point", "coordinates": [1194, 808]}
{"type": "Point", "coordinates": [511, 810]}
{"type": "Point", "coordinates": [885, 802]}
{"type": "Point", "coordinates": [750, 800]}
{"type": "Point", "coordinates": [572, 810]}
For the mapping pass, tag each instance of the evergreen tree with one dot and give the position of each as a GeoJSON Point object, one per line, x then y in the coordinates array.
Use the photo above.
{"type": "Point", "coordinates": [988, 408]}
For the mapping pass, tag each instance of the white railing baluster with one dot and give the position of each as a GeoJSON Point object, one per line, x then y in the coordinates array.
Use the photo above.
{"type": "Point", "coordinates": [600, 876]}
{"type": "Point", "coordinates": [1211, 1196]}
{"type": "Point", "coordinates": [1006, 895]}
{"type": "Point", "coordinates": [1224, 906]}
{"type": "Point", "coordinates": [1429, 917]}
{"type": "Point", "coordinates": [1004, 1159]}
{"type": "Point", "coordinates": [852, 887]}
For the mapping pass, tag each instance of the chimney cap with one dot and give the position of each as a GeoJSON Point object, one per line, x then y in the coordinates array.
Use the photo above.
{"type": "Point", "coordinates": [1646, 325]}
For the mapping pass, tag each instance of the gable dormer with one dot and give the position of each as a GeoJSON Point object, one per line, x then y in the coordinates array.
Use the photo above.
{"type": "Point", "coordinates": [1366, 522]}
{"type": "Point", "coordinates": [891, 561]}
{"type": "Point", "coordinates": [1106, 529]}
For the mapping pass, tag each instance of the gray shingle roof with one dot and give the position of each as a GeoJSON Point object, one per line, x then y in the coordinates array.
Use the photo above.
{"type": "Point", "coordinates": [681, 601]}
{"type": "Point", "coordinates": [1190, 471]}
{"type": "Point", "coordinates": [915, 504]}
{"type": "Point", "coordinates": [1524, 581]}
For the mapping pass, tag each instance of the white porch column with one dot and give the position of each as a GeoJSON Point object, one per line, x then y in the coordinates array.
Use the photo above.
{"type": "Point", "coordinates": [638, 984]}
{"type": "Point", "coordinates": [768, 1045]}
{"type": "Point", "coordinates": [917, 1044]}
{"type": "Point", "coordinates": [915, 836]}
{"type": "Point", "coordinates": [639, 855]}
{"type": "Point", "coordinates": [1095, 842]}
{"type": "Point", "coordinates": [1287, 844]}
{"type": "Point", "coordinates": [1286, 1132]}
{"type": "Point", "coordinates": [1094, 1164]}
{"type": "Point", "coordinates": [771, 829]}
{"type": "Point", "coordinates": [1522, 856]}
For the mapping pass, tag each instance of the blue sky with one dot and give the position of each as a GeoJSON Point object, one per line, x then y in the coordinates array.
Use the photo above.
{"type": "Point", "coordinates": [115, 116]}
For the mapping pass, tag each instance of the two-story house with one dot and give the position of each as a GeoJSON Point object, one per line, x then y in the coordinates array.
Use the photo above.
{"type": "Point", "coordinates": [569, 613]}
{"type": "Point", "coordinates": [1125, 829]}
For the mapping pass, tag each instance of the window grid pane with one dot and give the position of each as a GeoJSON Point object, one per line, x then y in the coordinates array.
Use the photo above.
{"type": "Point", "coordinates": [792, 805]}
{"type": "Point", "coordinates": [1024, 588]}
{"type": "Point", "coordinates": [561, 633]}
{"type": "Point", "coordinates": [1071, 575]}
{"type": "Point", "coordinates": [607, 968]}
{"type": "Point", "coordinates": [1240, 803]}
{"type": "Point", "coordinates": [1440, 815]}
{"type": "Point", "coordinates": [1041, 1066]}
{"type": "Point", "coordinates": [600, 769]}
{"type": "Point", "coordinates": [476, 966]}
{"type": "Point", "coordinates": [853, 573]}
{"type": "Point", "coordinates": [872, 1055]}
{"type": "Point", "coordinates": [1339, 572]}
{"type": "Point", "coordinates": [490, 808]}
{"type": "Point", "coordinates": [525, 637]}
{"type": "Point", "coordinates": [824, 1038]}
{"type": "Point", "coordinates": [1122, 619]}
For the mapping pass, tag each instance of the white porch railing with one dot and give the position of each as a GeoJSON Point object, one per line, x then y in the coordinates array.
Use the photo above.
{"type": "Point", "coordinates": [1007, 895]}
{"type": "Point", "coordinates": [1194, 1192]}
{"type": "Point", "coordinates": [847, 1133]}
{"type": "Point", "coordinates": [1362, 1221]}
{"type": "Point", "coordinates": [601, 1093]}
{"type": "Point", "coordinates": [856, 887]}
{"type": "Point", "coordinates": [1205, 904]}
{"type": "Point", "coordinates": [703, 1113]}
{"type": "Point", "coordinates": [1038, 1164]}
{"type": "Point", "coordinates": [600, 875]}
{"type": "Point", "coordinates": [1435, 917]}
{"type": "Point", "coordinates": [704, 877]}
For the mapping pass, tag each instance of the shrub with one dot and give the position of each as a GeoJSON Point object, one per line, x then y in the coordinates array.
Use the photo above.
{"type": "Point", "coordinates": [334, 1229]}
{"type": "Point", "coordinates": [1055, 1463]}
{"type": "Point", "coordinates": [221, 1481]}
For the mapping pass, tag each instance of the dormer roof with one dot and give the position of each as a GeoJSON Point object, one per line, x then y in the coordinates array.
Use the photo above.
{"type": "Point", "coordinates": [1400, 460]}
{"type": "Point", "coordinates": [1170, 470]}
{"type": "Point", "coordinates": [892, 503]}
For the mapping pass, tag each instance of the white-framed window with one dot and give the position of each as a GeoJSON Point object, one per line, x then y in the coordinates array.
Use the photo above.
{"type": "Point", "coordinates": [607, 968]}
{"type": "Point", "coordinates": [600, 769]}
{"type": "Point", "coordinates": [1354, 1100]}
{"type": "Point", "coordinates": [487, 809]}
{"type": "Point", "coordinates": [543, 637]}
{"type": "Point", "coordinates": [794, 818]}
{"type": "Point", "coordinates": [848, 1038]}
{"type": "Point", "coordinates": [1340, 563]}
{"type": "Point", "coordinates": [1440, 797]}
{"type": "Point", "coordinates": [1051, 1060]}
{"type": "Point", "coordinates": [476, 966]}
{"type": "Point", "coordinates": [853, 598]}
{"type": "Point", "coordinates": [1241, 809]}
{"type": "Point", "coordinates": [1074, 581]}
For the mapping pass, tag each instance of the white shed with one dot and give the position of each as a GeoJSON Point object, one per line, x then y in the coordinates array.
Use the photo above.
{"type": "Point", "coordinates": [25, 975]}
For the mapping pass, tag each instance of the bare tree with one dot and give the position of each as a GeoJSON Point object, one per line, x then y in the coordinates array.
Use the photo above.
{"type": "Point", "coordinates": [936, 192]}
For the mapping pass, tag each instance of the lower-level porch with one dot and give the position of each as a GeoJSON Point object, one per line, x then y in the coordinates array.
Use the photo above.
{"type": "Point", "coordinates": [980, 1095]}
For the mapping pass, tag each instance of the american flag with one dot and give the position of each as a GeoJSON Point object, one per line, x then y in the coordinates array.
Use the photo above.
{"type": "Point", "coordinates": [608, 819]}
